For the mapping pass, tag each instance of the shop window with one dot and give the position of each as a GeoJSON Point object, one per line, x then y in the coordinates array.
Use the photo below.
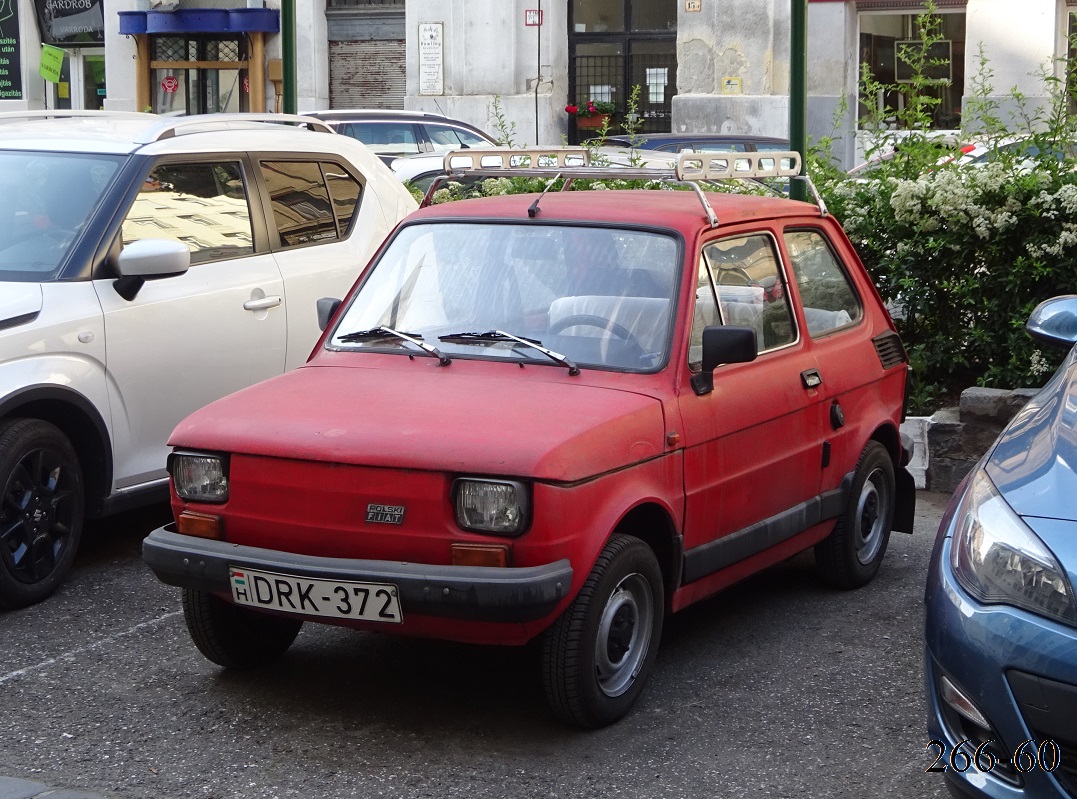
{"type": "Point", "coordinates": [616, 45]}
{"type": "Point", "coordinates": [608, 16]}
{"type": "Point", "coordinates": [198, 75]}
{"type": "Point", "coordinates": [884, 43]}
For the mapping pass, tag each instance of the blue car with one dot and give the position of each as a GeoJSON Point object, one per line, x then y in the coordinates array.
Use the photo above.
{"type": "Point", "coordinates": [1001, 616]}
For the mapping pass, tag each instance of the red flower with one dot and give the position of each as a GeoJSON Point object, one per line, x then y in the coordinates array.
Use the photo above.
{"type": "Point", "coordinates": [572, 109]}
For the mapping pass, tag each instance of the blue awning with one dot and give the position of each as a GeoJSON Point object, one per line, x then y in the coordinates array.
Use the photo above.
{"type": "Point", "coordinates": [201, 20]}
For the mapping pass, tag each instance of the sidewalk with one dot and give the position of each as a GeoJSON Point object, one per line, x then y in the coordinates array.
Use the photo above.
{"type": "Point", "coordinates": [11, 788]}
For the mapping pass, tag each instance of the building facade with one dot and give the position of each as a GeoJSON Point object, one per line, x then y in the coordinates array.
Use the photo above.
{"type": "Point", "coordinates": [699, 65]}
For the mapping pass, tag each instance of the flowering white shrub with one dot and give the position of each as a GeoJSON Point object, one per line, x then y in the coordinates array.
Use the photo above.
{"type": "Point", "coordinates": [965, 251]}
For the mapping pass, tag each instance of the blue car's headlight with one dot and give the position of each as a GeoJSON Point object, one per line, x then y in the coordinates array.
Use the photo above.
{"type": "Point", "coordinates": [998, 559]}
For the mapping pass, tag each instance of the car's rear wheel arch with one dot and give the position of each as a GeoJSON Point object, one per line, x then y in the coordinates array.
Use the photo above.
{"type": "Point", "coordinates": [83, 426]}
{"type": "Point", "coordinates": [889, 437]}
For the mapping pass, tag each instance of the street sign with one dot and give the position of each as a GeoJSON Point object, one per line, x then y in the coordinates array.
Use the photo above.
{"type": "Point", "coordinates": [170, 84]}
{"type": "Point", "coordinates": [533, 17]}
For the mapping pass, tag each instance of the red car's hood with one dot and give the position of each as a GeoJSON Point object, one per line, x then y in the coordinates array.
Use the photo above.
{"type": "Point", "coordinates": [465, 417]}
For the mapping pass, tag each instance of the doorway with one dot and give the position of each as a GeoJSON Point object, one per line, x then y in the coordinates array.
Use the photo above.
{"type": "Point", "coordinates": [82, 81]}
{"type": "Point", "coordinates": [615, 45]}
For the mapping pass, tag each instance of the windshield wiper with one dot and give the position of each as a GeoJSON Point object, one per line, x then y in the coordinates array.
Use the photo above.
{"type": "Point", "coordinates": [501, 335]}
{"type": "Point", "coordinates": [387, 332]}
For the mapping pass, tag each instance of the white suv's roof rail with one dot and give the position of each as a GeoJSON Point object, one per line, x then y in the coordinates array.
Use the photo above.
{"type": "Point", "coordinates": [202, 123]}
{"type": "Point", "coordinates": [63, 113]}
{"type": "Point", "coordinates": [158, 128]}
{"type": "Point", "coordinates": [572, 163]}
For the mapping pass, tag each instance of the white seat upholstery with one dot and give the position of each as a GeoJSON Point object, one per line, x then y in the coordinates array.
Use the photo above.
{"type": "Point", "coordinates": [820, 321]}
{"type": "Point", "coordinates": [743, 306]}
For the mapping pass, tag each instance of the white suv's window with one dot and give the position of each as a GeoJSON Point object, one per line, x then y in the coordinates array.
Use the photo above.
{"type": "Point", "coordinates": [309, 207]}
{"type": "Point", "coordinates": [45, 201]}
{"type": "Point", "coordinates": [202, 205]}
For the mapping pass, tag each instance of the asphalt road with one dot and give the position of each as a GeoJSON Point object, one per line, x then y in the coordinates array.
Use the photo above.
{"type": "Point", "coordinates": [776, 688]}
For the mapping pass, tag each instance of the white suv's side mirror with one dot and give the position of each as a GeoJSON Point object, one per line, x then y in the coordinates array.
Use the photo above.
{"type": "Point", "coordinates": [154, 258]}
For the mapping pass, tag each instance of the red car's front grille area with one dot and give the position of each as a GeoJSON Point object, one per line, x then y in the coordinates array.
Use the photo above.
{"type": "Point", "coordinates": [322, 509]}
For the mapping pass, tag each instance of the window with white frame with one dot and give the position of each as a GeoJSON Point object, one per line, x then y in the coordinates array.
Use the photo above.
{"type": "Point", "coordinates": [886, 45]}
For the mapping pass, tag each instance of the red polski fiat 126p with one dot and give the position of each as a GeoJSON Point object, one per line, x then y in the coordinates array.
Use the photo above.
{"type": "Point", "coordinates": [562, 415]}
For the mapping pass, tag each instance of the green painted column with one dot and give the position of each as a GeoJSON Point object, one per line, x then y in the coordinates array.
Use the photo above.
{"type": "Point", "coordinates": [287, 31]}
{"type": "Point", "coordinates": [798, 89]}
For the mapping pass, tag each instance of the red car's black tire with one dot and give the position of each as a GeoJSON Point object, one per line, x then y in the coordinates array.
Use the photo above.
{"type": "Point", "coordinates": [597, 656]}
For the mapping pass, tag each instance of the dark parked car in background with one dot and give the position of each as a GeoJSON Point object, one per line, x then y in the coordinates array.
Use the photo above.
{"type": "Point", "coordinates": [1001, 631]}
{"type": "Point", "coordinates": [391, 134]}
{"type": "Point", "coordinates": [701, 142]}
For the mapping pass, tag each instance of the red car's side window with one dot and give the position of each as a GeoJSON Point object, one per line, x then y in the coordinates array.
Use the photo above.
{"type": "Point", "coordinates": [830, 301]}
{"type": "Point", "coordinates": [740, 283]}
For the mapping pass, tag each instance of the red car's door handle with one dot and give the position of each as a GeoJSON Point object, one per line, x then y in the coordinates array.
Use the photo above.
{"type": "Point", "coordinates": [811, 378]}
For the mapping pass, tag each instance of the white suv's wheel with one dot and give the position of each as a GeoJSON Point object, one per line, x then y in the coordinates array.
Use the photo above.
{"type": "Point", "coordinates": [41, 510]}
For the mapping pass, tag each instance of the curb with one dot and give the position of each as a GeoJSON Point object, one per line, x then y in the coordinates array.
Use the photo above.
{"type": "Point", "coordinates": [12, 788]}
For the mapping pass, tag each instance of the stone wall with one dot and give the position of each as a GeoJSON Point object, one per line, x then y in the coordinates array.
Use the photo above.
{"type": "Point", "coordinates": [958, 437]}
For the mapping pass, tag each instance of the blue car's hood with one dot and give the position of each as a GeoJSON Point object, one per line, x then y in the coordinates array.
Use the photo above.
{"type": "Point", "coordinates": [1034, 462]}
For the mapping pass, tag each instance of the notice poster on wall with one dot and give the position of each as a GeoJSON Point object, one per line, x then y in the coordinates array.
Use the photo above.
{"type": "Point", "coordinates": [431, 58]}
{"type": "Point", "coordinates": [10, 61]}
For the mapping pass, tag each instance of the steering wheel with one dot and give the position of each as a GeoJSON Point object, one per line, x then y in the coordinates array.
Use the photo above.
{"type": "Point", "coordinates": [591, 320]}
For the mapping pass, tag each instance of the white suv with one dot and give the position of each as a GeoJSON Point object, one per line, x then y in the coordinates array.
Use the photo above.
{"type": "Point", "coordinates": [147, 267]}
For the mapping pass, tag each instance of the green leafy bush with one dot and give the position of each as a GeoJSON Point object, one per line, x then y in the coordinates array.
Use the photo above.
{"type": "Point", "coordinates": [962, 251]}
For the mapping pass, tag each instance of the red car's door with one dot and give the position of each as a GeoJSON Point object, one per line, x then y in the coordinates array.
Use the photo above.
{"type": "Point", "coordinates": [851, 339]}
{"type": "Point", "coordinates": [753, 446]}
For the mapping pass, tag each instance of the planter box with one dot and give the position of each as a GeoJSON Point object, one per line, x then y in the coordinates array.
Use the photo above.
{"type": "Point", "coordinates": [592, 122]}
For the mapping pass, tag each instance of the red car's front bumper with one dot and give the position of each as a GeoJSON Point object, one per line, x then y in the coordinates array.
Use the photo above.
{"type": "Point", "coordinates": [463, 593]}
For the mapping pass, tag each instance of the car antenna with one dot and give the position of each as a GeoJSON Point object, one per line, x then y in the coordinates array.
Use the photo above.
{"type": "Point", "coordinates": [533, 209]}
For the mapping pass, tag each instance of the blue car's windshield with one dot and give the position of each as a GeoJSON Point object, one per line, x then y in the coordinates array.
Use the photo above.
{"type": "Point", "coordinates": [45, 202]}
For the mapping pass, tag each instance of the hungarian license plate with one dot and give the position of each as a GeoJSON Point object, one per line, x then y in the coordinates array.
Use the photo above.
{"type": "Point", "coordinates": [338, 599]}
